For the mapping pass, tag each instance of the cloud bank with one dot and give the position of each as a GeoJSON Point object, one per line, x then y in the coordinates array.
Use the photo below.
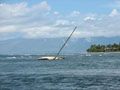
{"type": "Point", "coordinates": [40, 21]}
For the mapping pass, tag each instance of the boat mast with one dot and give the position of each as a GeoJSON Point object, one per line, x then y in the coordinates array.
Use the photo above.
{"type": "Point", "coordinates": [65, 42]}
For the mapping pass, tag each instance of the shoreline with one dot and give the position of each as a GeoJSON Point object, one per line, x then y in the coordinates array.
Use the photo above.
{"type": "Point", "coordinates": [66, 53]}
{"type": "Point", "coordinates": [103, 52]}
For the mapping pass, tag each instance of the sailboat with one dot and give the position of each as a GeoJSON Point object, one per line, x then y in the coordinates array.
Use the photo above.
{"type": "Point", "coordinates": [57, 57]}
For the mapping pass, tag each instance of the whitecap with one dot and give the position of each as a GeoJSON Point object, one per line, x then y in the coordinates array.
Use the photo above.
{"type": "Point", "coordinates": [11, 57]}
{"type": "Point", "coordinates": [88, 55]}
{"type": "Point", "coordinates": [100, 55]}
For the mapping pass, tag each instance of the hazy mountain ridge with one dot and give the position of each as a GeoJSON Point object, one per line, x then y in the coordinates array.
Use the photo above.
{"type": "Point", "coordinates": [51, 45]}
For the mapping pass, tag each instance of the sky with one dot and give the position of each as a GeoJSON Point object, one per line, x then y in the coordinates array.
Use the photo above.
{"type": "Point", "coordinates": [33, 19]}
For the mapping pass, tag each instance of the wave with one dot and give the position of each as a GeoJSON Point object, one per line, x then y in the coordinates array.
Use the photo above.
{"type": "Point", "coordinates": [104, 72]}
{"type": "Point", "coordinates": [13, 57]}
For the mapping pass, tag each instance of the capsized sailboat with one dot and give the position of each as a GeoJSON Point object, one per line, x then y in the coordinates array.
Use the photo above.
{"type": "Point", "coordinates": [50, 58]}
{"type": "Point", "coordinates": [57, 57]}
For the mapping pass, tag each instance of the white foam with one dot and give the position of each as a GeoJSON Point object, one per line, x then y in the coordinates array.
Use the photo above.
{"type": "Point", "coordinates": [11, 57]}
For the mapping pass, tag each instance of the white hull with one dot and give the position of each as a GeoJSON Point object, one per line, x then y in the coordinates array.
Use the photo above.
{"type": "Point", "coordinates": [50, 58]}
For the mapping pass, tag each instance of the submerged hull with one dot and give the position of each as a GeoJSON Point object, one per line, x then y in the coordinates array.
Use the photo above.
{"type": "Point", "coordinates": [50, 58]}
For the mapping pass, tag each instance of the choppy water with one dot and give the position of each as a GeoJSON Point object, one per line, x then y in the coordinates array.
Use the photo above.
{"type": "Point", "coordinates": [75, 72]}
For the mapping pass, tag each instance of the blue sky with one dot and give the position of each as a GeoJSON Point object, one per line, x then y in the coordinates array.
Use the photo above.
{"type": "Point", "coordinates": [85, 6]}
{"type": "Point", "coordinates": [56, 18]}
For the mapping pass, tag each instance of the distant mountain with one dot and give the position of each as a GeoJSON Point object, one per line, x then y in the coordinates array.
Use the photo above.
{"type": "Point", "coordinates": [51, 45]}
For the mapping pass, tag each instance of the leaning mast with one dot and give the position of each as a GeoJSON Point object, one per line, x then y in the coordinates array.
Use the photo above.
{"type": "Point", "coordinates": [65, 43]}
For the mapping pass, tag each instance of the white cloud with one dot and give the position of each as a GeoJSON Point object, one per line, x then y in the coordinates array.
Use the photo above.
{"type": "Point", "coordinates": [114, 13]}
{"type": "Point", "coordinates": [41, 6]}
{"type": "Point", "coordinates": [75, 13]}
{"type": "Point", "coordinates": [13, 10]}
{"type": "Point", "coordinates": [22, 9]}
{"type": "Point", "coordinates": [40, 21]}
{"type": "Point", "coordinates": [62, 22]}
{"type": "Point", "coordinates": [56, 13]}
{"type": "Point", "coordinates": [7, 29]}
{"type": "Point", "coordinates": [35, 32]}
{"type": "Point", "coordinates": [46, 32]}
{"type": "Point", "coordinates": [89, 18]}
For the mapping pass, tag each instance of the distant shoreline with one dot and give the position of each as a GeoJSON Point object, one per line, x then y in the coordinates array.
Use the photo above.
{"type": "Point", "coordinates": [65, 53]}
{"type": "Point", "coordinates": [104, 48]}
{"type": "Point", "coordinates": [102, 52]}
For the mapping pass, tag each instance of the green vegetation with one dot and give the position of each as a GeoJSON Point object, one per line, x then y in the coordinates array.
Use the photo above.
{"type": "Point", "coordinates": [104, 48]}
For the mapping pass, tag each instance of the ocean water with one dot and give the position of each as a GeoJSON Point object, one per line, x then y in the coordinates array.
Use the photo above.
{"type": "Point", "coordinates": [76, 72]}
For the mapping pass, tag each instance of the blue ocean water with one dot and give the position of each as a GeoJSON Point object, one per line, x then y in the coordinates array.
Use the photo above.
{"type": "Point", "coordinates": [76, 72]}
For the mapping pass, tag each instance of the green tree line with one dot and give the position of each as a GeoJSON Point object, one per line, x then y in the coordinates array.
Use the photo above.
{"type": "Point", "coordinates": [104, 48]}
